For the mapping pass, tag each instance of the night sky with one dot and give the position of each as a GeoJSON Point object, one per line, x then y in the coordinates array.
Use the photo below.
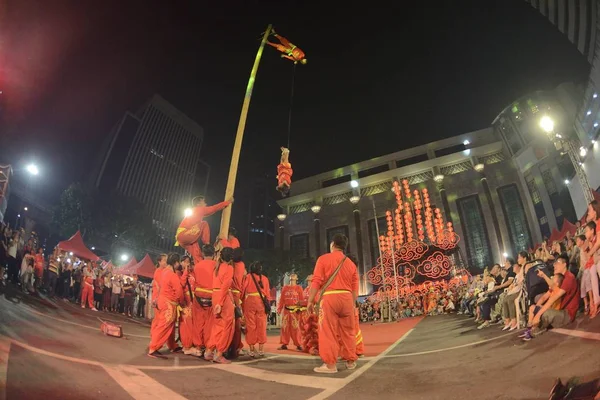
{"type": "Point", "coordinates": [377, 80]}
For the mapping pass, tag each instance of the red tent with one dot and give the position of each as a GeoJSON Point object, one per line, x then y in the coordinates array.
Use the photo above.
{"type": "Point", "coordinates": [554, 236]}
{"type": "Point", "coordinates": [125, 267]}
{"type": "Point", "coordinates": [567, 227]}
{"type": "Point", "coordinates": [143, 268]}
{"type": "Point", "coordinates": [76, 246]}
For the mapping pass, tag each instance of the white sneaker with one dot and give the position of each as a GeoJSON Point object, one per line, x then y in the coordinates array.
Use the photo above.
{"type": "Point", "coordinates": [94, 309]}
{"type": "Point", "coordinates": [324, 369]}
{"type": "Point", "coordinates": [350, 364]}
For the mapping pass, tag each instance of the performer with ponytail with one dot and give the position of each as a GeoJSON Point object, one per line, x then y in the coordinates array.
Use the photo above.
{"type": "Point", "coordinates": [170, 296]}
{"type": "Point", "coordinates": [223, 309]}
{"type": "Point", "coordinates": [256, 290]}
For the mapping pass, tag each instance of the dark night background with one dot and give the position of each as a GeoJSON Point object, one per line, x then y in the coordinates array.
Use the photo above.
{"type": "Point", "coordinates": [378, 79]}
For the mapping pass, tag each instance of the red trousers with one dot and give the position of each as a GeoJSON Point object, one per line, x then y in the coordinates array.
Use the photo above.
{"type": "Point", "coordinates": [203, 322]}
{"type": "Point", "coordinates": [186, 327]}
{"type": "Point", "coordinates": [360, 346]}
{"type": "Point", "coordinates": [163, 326]}
{"type": "Point", "coordinates": [87, 293]}
{"type": "Point", "coordinates": [222, 330]}
{"type": "Point", "coordinates": [290, 328]}
{"type": "Point", "coordinates": [336, 322]}
{"type": "Point", "coordinates": [256, 320]}
{"type": "Point", "coordinates": [187, 237]}
{"type": "Point", "coordinates": [237, 332]}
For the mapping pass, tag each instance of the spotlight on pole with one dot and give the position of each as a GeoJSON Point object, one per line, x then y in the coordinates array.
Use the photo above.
{"type": "Point", "coordinates": [33, 169]}
{"type": "Point", "coordinates": [582, 151]}
{"type": "Point", "coordinates": [188, 212]}
{"type": "Point", "coordinates": [567, 182]}
{"type": "Point", "coordinates": [24, 208]}
{"type": "Point", "coordinates": [354, 184]}
{"type": "Point", "coordinates": [124, 257]}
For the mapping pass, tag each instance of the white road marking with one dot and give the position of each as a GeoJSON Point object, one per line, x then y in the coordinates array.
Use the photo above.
{"type": "Point", "coordinates": [579, 334]}
{"type": "Point", "coordinates": [139, 385]}
{"type": "Point", "coordinates": [279, 377]}
{"type": "Point", "coordinates": [339, 384]}
{"type": "Point", "coordinates": [4, 353]}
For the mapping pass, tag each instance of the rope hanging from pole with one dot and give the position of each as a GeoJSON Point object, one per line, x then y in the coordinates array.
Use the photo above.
{"type": "Point", "coordinates": [291, 105]}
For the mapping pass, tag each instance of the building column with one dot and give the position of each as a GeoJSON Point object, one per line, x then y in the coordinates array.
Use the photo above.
{"type": "Point", "coordinates": [359, 242]}
{"type": "Point", "coordinates": [439, 183]}
{"type": "Point", "coordinates": [317, 224]}
{"type": "Point", "coordinates": [488, 195]}
{"type": "Point", "coordinates": [281, 236]}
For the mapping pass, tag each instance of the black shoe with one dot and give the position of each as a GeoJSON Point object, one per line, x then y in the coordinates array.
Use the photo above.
{"type": "Point", "coordinates": [178, 349]}
{"type": "Point", "coordinates": [282, 347]}
{"type": "Point", "coordinates": [299, 348]}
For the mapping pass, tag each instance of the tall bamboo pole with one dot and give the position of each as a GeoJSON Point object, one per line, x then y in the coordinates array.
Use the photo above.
{"type": "Point", "coordinates": [237, 146]}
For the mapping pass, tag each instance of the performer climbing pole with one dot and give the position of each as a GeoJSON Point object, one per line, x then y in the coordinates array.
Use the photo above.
{"type": "Point", "coordinates": [289, 50]}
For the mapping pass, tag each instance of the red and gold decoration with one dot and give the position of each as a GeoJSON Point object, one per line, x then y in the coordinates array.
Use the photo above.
{"type": "Point", "coordinates": [415, 248]}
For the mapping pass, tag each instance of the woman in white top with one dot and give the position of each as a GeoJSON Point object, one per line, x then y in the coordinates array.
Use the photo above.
{"type": "Point", "coordinates": [509, 307]}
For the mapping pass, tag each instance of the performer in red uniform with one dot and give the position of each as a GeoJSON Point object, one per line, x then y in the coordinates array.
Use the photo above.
{"type": "Point", "coordinates": [232, 240]}
{"type": "Point", "coordinates": [289, 307]}
{"type": "Point", "coordinates": [170, 296]}
{"type": "Point", "coordinates": [254, 308]}
{"type": "Point", "coordinates": [39, 268]}
{"type": "Point", "coordinates": [290, 50]}
{"type": "Point", "coordinates": [202, 305]}
{"type": "Point", "coordinates": [309, 327]}
{"type": "Point", "coordinates": [222, 331]}
{"type": "Point", "coordinates": [193, 227]}
{"type": "Point", "coordinates": [336, 311]}
{"type": "Point", "coordinates": [87, 290]}
{"type": "Point", "coordinates": [284, 172]}
{"type": "Point", "coordinates": [239, 275]}
{"type": "Point", "coordinates": [186, 317]}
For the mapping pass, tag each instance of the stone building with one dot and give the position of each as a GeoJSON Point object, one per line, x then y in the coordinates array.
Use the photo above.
{"type": "Point", "coordinates": [471, 178]}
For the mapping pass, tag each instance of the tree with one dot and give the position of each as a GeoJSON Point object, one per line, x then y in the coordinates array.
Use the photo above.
{"type": "Point", "coordinates": [74, 213]}
{"type": "Point", "coordinates": [277, 262]}
{"type": "Point", "coordinates": [124, 221]}
{"type": "Point", "coordinates": [112, 218]}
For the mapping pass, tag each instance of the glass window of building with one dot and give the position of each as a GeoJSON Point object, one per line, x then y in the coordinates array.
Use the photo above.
{"type": "Point", "coordinates": [299, 246]}
{"type": "Point", "coordinates": [516, 220]}
{"type": "Point", "coordinates": [475, 232]}
{"type": "Point", "coordinates": [533, 190]}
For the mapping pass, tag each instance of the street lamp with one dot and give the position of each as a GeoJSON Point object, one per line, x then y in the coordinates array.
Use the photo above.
{"type": "Point", "coordinates": [354, 184]}
{"type": "Point", "coordinates": [33, 169]}
{"type": "Point", "coordinates": [316, 208]}
{"type": "Point", "coordinates": [24, 208]}
{"type": "Point", "coordinates": [570, 146]}
{"type": "Point", "coordinates": [354, 199]}
{"type": "Point", "coordinates": [438, 178]}
{"type": "Point", "coordinates": [479, 167]}
{"type": "Point", "coordinates": [281, 217]}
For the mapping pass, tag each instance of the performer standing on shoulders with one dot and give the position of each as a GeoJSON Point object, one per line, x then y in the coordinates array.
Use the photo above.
{"type": "Point", "coordinates": [256, 288]}
{"type": "Point", "coordinates": [222, 331]}
{"type": "Point", "coordinates": [336, 277]}
{"type": "Point", "coordinates": [170, 296]}
{"type": "Point", "coordinates": [289, 307]}
{"type": "Point", "coordinates": [202, 306]}
{"type": "Point", "coordinates": [193, 228]}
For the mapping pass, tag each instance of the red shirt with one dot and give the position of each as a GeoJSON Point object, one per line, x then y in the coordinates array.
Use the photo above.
{"type": "Point", "coordinates": [199, 212]}
{"type": "Point", "coordinates": [234, 243]}
{"type": "Point", "coordinates": [156, 280]}
{"type": "Point", "coordinates": [290, 296]}
{"type": "Point", "coordinates": [188, 285]}
{"type": "Point", "coordinates": [346, 278]}
{"type": "Point", "coordinates": [239, 272]}
{"type": "Point", "coordinates": [250, 287]}
{"type": "Point", "coordinates": [170, 287]}
{"type": "Point", "coordinates": [570, 300]}
{"type": "Point", "coordinates": [203, 274]}
{"type": "Point", "coordinates": [222, 283]}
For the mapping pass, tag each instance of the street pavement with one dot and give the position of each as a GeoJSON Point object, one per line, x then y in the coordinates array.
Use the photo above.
{"type": "Point", "coordinates": [51, 349]}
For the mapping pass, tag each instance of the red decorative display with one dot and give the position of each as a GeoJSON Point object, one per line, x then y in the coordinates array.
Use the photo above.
{"type": "Point", "coordinates": [435, 266]}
